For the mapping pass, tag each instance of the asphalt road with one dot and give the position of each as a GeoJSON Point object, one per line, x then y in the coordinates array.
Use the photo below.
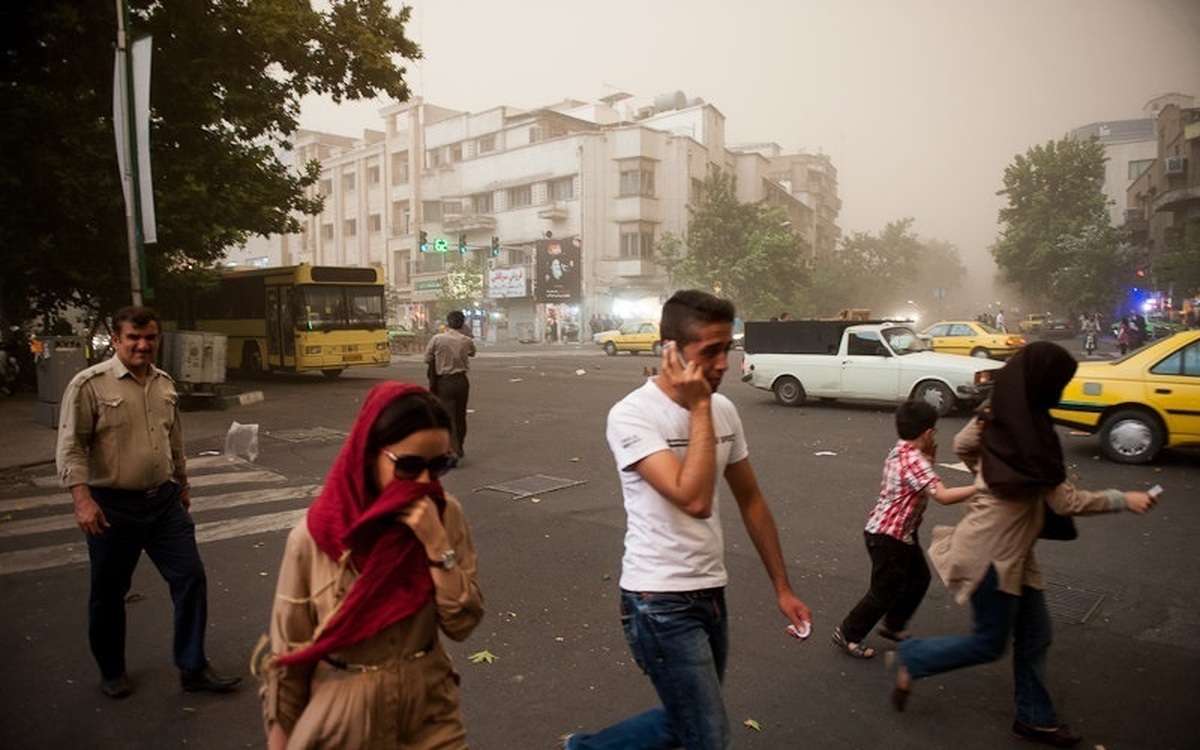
{"type": "Point", "coordinates": [1123, 668]}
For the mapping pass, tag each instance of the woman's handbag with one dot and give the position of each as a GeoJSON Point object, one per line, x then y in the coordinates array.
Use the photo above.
{"type": "Point", "coordinates": [1057, 528]}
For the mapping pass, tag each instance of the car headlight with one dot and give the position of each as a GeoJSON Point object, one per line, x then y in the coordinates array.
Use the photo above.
{"type": "Point", "coordinates": [983, 377]}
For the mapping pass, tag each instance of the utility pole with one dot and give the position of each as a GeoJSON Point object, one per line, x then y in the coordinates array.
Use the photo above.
{"type": "Point", "coordinates": [128, 135]}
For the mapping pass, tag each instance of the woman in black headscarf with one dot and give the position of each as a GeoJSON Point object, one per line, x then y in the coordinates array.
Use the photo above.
{"type": "Point", "coordinates": [987, 558]}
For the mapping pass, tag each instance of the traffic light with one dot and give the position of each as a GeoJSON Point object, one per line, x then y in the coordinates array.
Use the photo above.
{"type": "Point", "coordinates": [424, 241]}
{"type": "Point", "coordinates": [462, 243]}
{"type": "Point", "coordinates": [495, 246]}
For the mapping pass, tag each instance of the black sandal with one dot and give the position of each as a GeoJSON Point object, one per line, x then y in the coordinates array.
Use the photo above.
{"type": "Point", "coordinates": [851, 649]}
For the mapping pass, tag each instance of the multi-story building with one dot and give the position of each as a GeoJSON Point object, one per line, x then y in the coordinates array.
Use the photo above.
{"type": "Point", "coordinates": [1165, 198]}
{"type": "Point", "coordinates": [591, 185]}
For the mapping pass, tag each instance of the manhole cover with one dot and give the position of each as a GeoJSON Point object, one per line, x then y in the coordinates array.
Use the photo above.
{"type": "Point", "coordinates": [1072, 604]}
{"type": "Point", "coordinates": [308, 434]}
{"type": "Point", "coordinates": [527, 486]}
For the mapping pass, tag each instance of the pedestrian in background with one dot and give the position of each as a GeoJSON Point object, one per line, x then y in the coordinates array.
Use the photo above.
{"type": "Point", "coordinates": [987, 559]}
{"type": "Point", "coordinates": [899, 573]}
{"type": "Point", "coordinates": [448, 354]}
{"type": "Point", "coordinates": [120, 451]}
{"type": "Point", "coordinates": [382, 562]}
{"type": "Point", "coordinates": [673, 438]}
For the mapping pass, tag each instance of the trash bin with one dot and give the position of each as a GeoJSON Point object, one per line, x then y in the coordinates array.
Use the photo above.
{"type": "Point", "coordinates": [57, 359]}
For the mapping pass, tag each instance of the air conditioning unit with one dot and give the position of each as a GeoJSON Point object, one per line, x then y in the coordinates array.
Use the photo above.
{"type": "Point", "coordinates": [1173, 165]}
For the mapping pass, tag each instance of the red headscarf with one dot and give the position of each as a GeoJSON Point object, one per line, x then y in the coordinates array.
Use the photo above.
{"type": "Point", "coordinates": [393, 581]}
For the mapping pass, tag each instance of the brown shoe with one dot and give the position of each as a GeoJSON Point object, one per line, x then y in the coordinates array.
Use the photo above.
{"type": "Point", "coordinates": [1060, 736]}
{"type": "Point", "coordinates": [207, 680]}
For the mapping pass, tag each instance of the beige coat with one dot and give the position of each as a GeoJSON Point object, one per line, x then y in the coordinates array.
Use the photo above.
{"type": "Point", "coordinates": [1001, 532]}
{"type": "Point", "coordinates": [398, 689]}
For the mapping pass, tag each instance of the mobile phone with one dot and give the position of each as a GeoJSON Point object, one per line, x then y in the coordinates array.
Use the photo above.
{"type": "Point", "coordinates": [1155, 491]}
{"type": "Point", "coordinates": [678, 352]}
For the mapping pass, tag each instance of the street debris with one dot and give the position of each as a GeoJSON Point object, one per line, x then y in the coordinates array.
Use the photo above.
{"type": "Point", "coordinates": [481, 657]}
{"type": "Point", "coordinates": [752, 724]}
{"type": "Point", "coordinates": [824, 453]}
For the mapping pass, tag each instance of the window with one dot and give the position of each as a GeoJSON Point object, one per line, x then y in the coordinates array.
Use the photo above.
{"type": "Point", "coordinates": [487, 143]}
{"type": "Point", "coordinates": [456, 152]}
{"type": "Point", "coordinates": [431, 210]}
{"type": "Point", "coordinates": [452, 208]}
{"type": "Point", "coordinates": [536, 133]}
{"type": "Point", "coordinates": [375, 221]}
{"type": "Point", "coordinates": [1138, 166]}
{"type": "Point", "coordinates": [327, 231]}
{"type": "Point", "coordinates": [1185, 362]}
{"type": "Point", "coordinates": [350, 228]}
{"type": "Point", "coordinates": [326, 186]}
{"type": "Point", "coordinates": [481, 203]}
{"type": "Point", "coordinates": [562, 189]}
{"type": "Point", "coordinates": [433, 159]}
{"type": "Point", "coordinates": [400, 168]}
{"type": "Point", "coordinates": [638, 180]}
{"type": "Point", "coordinates": [348, 181]}
{"type": "Point", "coordinates": [866, 343]}
{"type": "Point", "coordinates": [519, 197]}
{"type": "Point", "coordinates": [401, 218]}
{"type": "Point", "coordinates": [373, 174]}
{"type": "Point", "coordinates": [637, 241]}
{"type": "Point", "coordinates": [696, 191]}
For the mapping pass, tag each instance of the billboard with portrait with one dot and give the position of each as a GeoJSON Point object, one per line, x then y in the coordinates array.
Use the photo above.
{"type": "Point", "coordinates": [558, 268]}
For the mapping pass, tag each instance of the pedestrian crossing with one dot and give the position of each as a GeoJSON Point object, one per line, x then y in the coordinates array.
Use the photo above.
{"type": "Point", "coordinates": [34, 525]}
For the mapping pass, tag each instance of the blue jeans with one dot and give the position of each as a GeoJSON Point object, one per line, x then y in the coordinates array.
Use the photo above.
{"type": "Point", "coordinates": [161, 526]}
{"type": "Point", "coordinates": [996, 615]}
{"type": "Point", "coordinates": [681, 641]}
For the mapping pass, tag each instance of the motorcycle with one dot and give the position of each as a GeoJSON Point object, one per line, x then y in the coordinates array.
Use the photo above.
{"type": "Point", "coordinates": [1089, 342]}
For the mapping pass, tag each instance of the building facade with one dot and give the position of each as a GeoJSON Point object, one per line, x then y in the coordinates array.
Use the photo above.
{"type": "Point", "coordinates": [559, 207]}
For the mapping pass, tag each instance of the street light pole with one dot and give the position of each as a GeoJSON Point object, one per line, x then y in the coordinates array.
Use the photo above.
{"type": "Point", "coordinates": [128, 139]}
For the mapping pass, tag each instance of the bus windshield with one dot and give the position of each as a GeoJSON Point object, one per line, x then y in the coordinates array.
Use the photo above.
{"type": "Point", "coordinates": [330, 308]}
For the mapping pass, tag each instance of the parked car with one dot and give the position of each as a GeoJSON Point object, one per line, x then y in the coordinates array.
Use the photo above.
{"type": "Point", "coordinates": [1057, 327]}
{"type": "Point", "coordinates": [1145, 401]}
{"type": "Point", "coordinates": [634, 336]}
{"type": "Point", "coordinates": [973, 338]}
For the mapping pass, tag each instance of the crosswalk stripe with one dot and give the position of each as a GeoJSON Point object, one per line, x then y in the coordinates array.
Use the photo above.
{"type": "Point", "coordinates": [199, 504]}
{"type": "Point", "coordinates": [20, 561]}
{"type": "Point", "coordinates": [198, 481]}
{"type": "Point", "coordinates": [199, 462]}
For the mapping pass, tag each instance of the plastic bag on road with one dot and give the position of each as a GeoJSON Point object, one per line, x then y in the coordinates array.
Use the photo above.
{"type": "Point", "coordinates": [242, 440]}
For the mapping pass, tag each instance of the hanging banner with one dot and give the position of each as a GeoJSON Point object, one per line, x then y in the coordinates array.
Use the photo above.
{"type": "Point", "coordinates": [140, 53]}
{"type": "Point", "coordinates": [504, 283]}
{"type": "Point", "coordinates": [559, 266]}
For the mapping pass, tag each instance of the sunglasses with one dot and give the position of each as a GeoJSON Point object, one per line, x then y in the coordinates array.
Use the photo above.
{"type": "Point", "coordinates": [411, 467]}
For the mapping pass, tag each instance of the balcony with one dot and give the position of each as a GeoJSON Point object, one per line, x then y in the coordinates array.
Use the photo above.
{"type": "Point", "coordinates": [556, 211]}
{"type": "Point", "coordinates": [468, 222]}
{"type": "Point", "coordinates": [1177, 200]}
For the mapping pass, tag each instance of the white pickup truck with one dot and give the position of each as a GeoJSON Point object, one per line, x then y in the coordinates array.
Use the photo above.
{"type": "Point", "coordinates": [875, 361]}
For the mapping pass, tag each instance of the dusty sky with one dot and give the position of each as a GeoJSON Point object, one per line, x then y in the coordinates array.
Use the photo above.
{"type": "Point", "coordinates": [921, 104]}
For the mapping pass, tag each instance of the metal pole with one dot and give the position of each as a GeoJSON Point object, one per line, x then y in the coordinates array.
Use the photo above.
{"type": "Point", "coordinates": [133, 227]}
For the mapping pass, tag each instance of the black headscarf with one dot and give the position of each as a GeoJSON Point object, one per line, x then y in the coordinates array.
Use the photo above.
{"type": "Point", "coordinates": [1021, 451]}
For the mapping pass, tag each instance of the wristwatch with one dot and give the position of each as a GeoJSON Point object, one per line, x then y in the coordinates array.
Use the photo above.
{"type": "Point", "coordinates": [447, 561]}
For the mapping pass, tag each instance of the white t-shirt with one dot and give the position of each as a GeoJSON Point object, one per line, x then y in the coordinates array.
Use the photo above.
{"type": "Point", "coordinates": [665, 548]}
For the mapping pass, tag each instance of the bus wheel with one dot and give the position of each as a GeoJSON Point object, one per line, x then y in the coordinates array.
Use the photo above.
{"type": "Point", "coordinates": [252, 364]}
{"type": "Point", "coordinates": [331, 374]}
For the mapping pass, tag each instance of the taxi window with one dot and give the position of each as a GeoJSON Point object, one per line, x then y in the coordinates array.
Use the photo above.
{"type": "Point", "coordinates": [939, 330]}
{"type": "Point", "coordinates": [1185, 362]}
{"type": "Point", "coordinates": [961, 330]}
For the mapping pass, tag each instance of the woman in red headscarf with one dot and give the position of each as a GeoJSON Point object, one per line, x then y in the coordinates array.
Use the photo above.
{"type": "Point", "coordinates": [381, 563]}
{"type": "Point", "coordinates": [987, 558]}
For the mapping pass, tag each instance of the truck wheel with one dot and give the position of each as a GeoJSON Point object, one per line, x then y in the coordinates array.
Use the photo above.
{"type": "Point", "coordinates": [610, 348]}
{"type": "Point", "coordinates": [252, 364]}
{"type": "Point", "coordinates": [936, 395]}
{"type": "Point", "coordinates": [980, 352]}
{"type": "Point", "coordinates": [788, 391]}
{"type": "Point", "coordinates": [1131, 436]}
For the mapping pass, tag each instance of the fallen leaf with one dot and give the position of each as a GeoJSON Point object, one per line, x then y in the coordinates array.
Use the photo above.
{"type": "Point", "coordinates": [752, 724]}
{"type": "Point", "coordinates": [482, 656]}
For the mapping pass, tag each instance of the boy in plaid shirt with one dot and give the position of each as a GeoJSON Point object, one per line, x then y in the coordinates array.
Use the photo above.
{"type": "Point", "coordinates": [899, 573]}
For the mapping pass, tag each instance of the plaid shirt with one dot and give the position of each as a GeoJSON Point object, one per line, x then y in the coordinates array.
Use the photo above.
{"type": "Point", "coordinates": [902, 497]}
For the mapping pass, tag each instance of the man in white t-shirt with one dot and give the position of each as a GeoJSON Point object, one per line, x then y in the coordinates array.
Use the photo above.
{"type": "Point", "coordinates": [672, 438]}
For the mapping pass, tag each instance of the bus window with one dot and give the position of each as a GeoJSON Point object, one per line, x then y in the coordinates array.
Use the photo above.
{"type": "Point", "coordinates": [366, 307]}
{"type": "Point", "coordinates": [320, 308]}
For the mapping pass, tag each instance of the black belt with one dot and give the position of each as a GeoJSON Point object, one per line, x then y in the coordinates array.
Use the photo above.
{"type": "Point", "coordinates": [122, 494]}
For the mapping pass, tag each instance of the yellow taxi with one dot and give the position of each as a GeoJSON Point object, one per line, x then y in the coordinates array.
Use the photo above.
{"type": "Point", "coordinates": [634, 336]}
{"type": "Point", "coordinates": [973, 338]}
{"type": "Point", "coordinates": [1143, 402]}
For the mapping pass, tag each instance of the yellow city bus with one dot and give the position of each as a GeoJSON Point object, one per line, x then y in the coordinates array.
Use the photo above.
{"type": "Point", "coordinates": [298, 318]}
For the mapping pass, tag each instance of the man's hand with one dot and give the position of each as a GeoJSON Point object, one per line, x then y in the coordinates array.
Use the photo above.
{"type": "Point", "coordinates": [685, 383]}
{"type": "Point", "coordinates": [88, 515]}
{"type": "Point", "coordinates": [185, 496]}
{"type": "Point", "coordinates": [795, 610]}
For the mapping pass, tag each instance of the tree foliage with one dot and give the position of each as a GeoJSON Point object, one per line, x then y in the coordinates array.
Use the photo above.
{"type": "Point", "coordinates": [227, 79]}
{"type": "Point", "coordinates": [1057, 246]}
{"type": "Point", "coordinates": [744, 251]}
{"type": "Point", "coordinates": [1177, 266]}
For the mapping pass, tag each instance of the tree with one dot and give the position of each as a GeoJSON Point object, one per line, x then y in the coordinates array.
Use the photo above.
{"type": "Point", "coordinates": [462, 288]}
{"type": "Point", "coordinates": [744, 251]}
{"type": "Point", "coordinates": [1056, 242]}
{"type": "Point", "coordinates": [227, 80]}
{"type": "Point", "coordinates": [881, 272]}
